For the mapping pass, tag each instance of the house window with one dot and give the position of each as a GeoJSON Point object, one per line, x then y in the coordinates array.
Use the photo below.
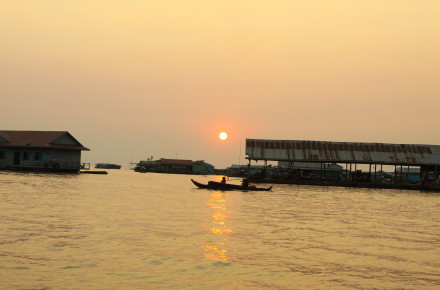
{"type": "Point", "coordinates": [25, 155]}
{"type": "Point", "coordinates": [2, 154]}
{"type": "Point", "coordinates": [37, 156]}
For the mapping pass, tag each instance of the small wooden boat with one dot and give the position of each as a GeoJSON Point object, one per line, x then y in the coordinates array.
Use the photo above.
{"type": "Point", "coordinates": [225, 186]}
{"type": "Point", "coordinates": [94, 172]}
{"type": "Point", "coordinates": [430, 185]}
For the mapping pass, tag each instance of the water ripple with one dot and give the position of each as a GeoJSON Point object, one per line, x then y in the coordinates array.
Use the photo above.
{"type": "Point", "coordinates": [154, 231]}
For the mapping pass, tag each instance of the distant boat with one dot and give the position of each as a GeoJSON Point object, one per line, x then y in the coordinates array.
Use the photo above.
{"type": "Point", "coordinates": [94, 172]}
{"type": "Point", "coordinates": [107, 166]}
{"type": "Point", "coordinates": [431, 186]}
{"type": "Point", "coordinates": [225, 186]}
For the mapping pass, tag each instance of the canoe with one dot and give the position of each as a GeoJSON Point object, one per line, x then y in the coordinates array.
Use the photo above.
{"type": "Point", "coordinates": [225, 186]}
{"type": "Point", "coordinates": [430, 185]}
{"type": "Point", "coordinates": [94, 172]}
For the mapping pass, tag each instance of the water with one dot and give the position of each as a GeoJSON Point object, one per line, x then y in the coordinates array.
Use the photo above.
{"type": "Point", "coordinates": [128, 230]}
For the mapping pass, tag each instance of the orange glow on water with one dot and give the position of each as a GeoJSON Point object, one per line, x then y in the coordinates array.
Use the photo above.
{"type": "Point", "coordinates": [220, 228]}
{"type": "Point", "coordinates": [214, 253]}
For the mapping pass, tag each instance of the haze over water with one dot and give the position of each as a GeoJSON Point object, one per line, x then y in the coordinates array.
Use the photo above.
{"type": "Point", "coordinates": [128, 230]}
{"type": "Point", "coordinates": [132, 79]}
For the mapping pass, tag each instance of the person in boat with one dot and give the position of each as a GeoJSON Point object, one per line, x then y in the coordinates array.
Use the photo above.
{"type": "Point", "coordinates": [224, 180]}
{"type": "Point", "coordinates": [245, 183]}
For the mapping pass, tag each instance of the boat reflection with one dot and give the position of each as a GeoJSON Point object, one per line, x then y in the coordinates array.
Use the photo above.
{"type": "Point", "coordinates": [219, 229]}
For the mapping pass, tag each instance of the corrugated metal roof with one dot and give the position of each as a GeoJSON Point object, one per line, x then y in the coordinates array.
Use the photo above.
{"type": "Point", "coordinates": [40, 139]}
{"type": "Point", "coordinates": [343, 152]}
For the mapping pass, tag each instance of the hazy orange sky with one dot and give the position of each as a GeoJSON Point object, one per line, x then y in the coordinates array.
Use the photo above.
{"type": "Point", "coordinates": [133, 79]}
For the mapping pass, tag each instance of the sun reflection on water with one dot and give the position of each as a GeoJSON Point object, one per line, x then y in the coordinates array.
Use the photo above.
{"type": "Point", "coordinates": [219, 229]}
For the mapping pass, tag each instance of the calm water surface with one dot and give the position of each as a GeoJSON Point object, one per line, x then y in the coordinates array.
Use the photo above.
{"type": "Point", "coordinates": [127, 230]}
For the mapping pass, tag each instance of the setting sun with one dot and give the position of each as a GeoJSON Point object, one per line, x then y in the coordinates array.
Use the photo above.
{"type": "Point", "coordinates": [223, 135]}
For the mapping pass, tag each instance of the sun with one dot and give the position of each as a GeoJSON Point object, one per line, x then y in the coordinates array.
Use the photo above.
{"type": "Point", "coordinates": [223, 135]}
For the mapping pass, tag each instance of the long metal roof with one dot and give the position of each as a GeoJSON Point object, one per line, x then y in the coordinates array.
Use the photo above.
{"type": "Point", "coordinates": [342, 152]}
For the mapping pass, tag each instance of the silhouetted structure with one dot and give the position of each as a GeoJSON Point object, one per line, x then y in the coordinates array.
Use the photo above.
{"type": "Point", "coordinates": [404, 158]}
{"type": "Point", "coordinates": [107, 166]}
{"type": "Point", "coordinates": [55, 151]}
{"type": "Point", "coordinates": [176, 166]}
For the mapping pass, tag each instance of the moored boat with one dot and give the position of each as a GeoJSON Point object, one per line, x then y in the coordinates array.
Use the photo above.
{"type": "Point", "coordinates": [431, 186]}
{"type": "Point", "coordinates": [225, 186]}
{"type": "Point", "coordinates": [107, 166]}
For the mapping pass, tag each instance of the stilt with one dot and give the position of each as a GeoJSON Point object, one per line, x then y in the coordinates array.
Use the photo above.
{"type": "Point", "coordinates": [351, 173]}
{"type": "Point", "coordinates": [369, 174]}
{"type": "Point", "coordinates": [401, 173]}
{"type": "Point", "coordinates": [375, 173]}
{"type": "Point", "coordinates": [320, 171]}
{"type": "Point", "coordinates": [355, 173]}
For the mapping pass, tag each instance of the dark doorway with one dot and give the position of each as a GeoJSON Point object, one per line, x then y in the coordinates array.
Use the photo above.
{"type": "Point", "coordinates": [17, 158]}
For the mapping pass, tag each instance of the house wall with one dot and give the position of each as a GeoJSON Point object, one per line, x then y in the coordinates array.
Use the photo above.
{"type": "Point", "coordinates": [203, 169]}
{"type": "Point", "coordinates": [173, 168]}
{"type": "Point", "coordinates": [34, 158]}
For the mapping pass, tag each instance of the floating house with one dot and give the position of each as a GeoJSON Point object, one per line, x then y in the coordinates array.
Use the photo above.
{"type": "Point", "coordinates": [240, 170]}
{"type": "Point", "coordinates": [283, 171]}
{"type": "Point", "coordinates": [310, 170]}
{"type": "Point", "coordinates": [176, 166]}
{"type": "Point", "coordinates": [415, 163]}
{"type": "Point", "coordinates": [201, 167]}
{"type": "Point", "coordinates": [107, 166]}
{"type": "Point", "coordinates": [56, 151]}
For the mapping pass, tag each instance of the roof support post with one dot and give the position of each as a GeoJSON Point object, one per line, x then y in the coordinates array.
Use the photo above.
{"type": "Point", "coordinates": [265, 169]}
{"type": "Point", "coordinates": [401, 173]}
{"type": "Point", "coordinates": [351, 173]}
{"type": "Point", "coordinates": [320, 172]}
{"type": "Point", "coordinates": [369, 174]}
{"type": "Point", "coordinates": [355, 173]}
{"type": "Point", "coordinates": [346, 172]}
{"type": "Point", "coordinates": [375, 173]}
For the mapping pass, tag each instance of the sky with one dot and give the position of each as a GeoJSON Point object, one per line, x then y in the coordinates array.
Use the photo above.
{"type": "Point", "coordinates": [133, 79]}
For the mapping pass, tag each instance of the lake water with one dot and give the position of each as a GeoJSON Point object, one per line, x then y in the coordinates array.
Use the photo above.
{"type": "Point", "coordinates": [128, 230]}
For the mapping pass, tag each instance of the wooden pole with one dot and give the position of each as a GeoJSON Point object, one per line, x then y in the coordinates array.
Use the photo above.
{"type": "Point", "coordinates": [351, 175]}
{"type": "Point", "coordinates": [401, 173]}
{"type": "Point", "coordinates": [320, 171]}
{"type": "Point", "coordinates": [369, 174]}
{"type": "Point", "coordinates": [355, 173]}
{"type": "Point", "coordinates": [375, 172]}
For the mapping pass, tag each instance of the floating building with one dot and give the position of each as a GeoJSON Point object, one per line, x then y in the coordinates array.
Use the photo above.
{"type": "Point", "coordinates": [176, 166]}
{"type": "Point", "coordinates": [55, 151]}
{"type": "Point", "coordinates": [107, 166]}
{"type": "Point", "coordinates": [405, 158]}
